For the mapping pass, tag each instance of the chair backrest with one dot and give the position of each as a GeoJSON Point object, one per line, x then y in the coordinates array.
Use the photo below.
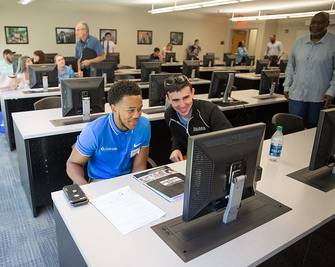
{"type": "Point", "coordinates": [48, 102]}
{"type": "Point", "coordinates": [291, 123]}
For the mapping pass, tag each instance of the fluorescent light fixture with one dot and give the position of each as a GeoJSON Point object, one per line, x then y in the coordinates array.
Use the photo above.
{"type": "Point", "coordinates": [25, 2]}
{"type": "Point", "coordinates": [195, 6]}
{"type": "Point", "coordinates": [281, 16]}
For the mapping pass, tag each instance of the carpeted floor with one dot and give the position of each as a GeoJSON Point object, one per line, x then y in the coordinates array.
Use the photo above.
{"type": "Point", "coordinates": [24, 240]}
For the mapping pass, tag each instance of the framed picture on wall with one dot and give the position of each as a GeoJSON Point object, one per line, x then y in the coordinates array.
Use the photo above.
{"type": "Point", "coordinates": [65, 35]}
{"type": "Point", "coordinates": [16, 34]}
{"type": "Point", "coordinates": [108, 34]}
{"type": "Point", "coordinates": [176, 38]}
{"type": "Point", "coordinates": [144, 37]}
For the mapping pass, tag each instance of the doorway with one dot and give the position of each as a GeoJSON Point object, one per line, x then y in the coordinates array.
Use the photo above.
{"type": "Point", "coordinates": [249, 36]}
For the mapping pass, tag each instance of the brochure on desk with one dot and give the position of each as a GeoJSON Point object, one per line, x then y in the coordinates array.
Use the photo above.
{"type": "Point", "coordinates": [164, 181]}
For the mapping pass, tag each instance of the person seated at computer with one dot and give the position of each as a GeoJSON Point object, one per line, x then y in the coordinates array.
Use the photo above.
{"type": "Point", "coordinates": [64, 72]}
{"type": "Point", "coordinates": [155, 56]}
{"type": "Point", "coordinates": [6, 64]}
{"type": "Point", "coordinates": [115, 144]}
{"type": "Point", "coordinates": [191, 53]}
{"type": "Point", "coordinates": [22, 72]}
{"type": "Point", "coordinates": [167, 48]}
{"type": "Point", "coordinates": [39, 57]}
{"type": "Point", "coordinates": [242, 54]}
{"type": "Point", "coordinates": [187, 116]}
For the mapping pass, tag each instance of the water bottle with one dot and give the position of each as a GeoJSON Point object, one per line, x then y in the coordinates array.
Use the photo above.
{"type": "Point", "coordinates": [276, 144]}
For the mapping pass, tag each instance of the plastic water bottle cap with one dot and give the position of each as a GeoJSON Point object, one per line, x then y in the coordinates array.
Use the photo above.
{"type": "Point", "coordinates": [280, 128]}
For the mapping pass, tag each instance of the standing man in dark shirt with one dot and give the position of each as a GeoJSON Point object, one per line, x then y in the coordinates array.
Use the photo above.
{"type": "Point", "coordinates": [187, 116]}
{"type": "Point", "coordinates": [88, 49]}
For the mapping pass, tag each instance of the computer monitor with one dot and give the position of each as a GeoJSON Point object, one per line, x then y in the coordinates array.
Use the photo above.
{"type": "Point", "coordinates": [221, 84]}
{"type": "Point", "coordinates": [156, 88]}
{"type": "Point", "coordinates": [50, 57]}
{"type": "Point", "coordinates": [149, 68]}
{"type": "Point", "coordinates": [283, 65]}
{"type": "Point", "coordinates": [43, 72]}
{"type": "Point", "coordinates": [230, 61]}
{"type": "Point", "coordinates": [191, 68]}
{"type": "Point", "coordinates": [225, 58]}
{"type": "Point", "coordinates": [140, 59]}
{"type": "Point", "coordinates": [222, 168]}
{"type": "Point", "coordinates": [73, 62]}
{"type": "Point", "coordinates": [213, 161]}
{"type": "Point", "coordinates": [114, 57]}
{"type": "Point", "coordinates": [208, 60]}
{"type": "Point", "coordinates": [269, 81]}
{"type": "Point", "coordinates": [261, 64]}
{"type": "Point", "coordinates": [321, 171]}
{"type": "Point", "coordinates": [73, 90]}
{"type": "Point", "coordinates": [250, 60]}
{"type": "Point", "coordinates": [170, 56]}
{"type": "Point", "coordinates": [104, 69]}
{"type": "Point", "coordinates": [273, 60]}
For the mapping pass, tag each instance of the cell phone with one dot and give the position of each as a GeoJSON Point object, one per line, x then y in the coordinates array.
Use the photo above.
{"type": "Point", "coordinates": [75, 195]}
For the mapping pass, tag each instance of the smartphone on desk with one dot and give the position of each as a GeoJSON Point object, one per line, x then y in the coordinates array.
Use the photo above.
{"type": "Point", "coordinates": [75, 195]}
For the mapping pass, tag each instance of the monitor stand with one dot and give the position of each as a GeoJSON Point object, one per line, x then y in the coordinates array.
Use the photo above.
{"type": "Point", "coordinates": [229, 102]}
{"type": "Point", "coordinates": [322, 178]}
{"type": "Point", "coordinates": [192, 239]}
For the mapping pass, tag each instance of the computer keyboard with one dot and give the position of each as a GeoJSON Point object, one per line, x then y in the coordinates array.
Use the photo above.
{"type": "Point", "coordinates": [154, 110]}
{"type": "Point", "coordinates": [40, 90]}
{"type": "Point", "coordinates": [76, 120]}
{"type": "Point", "coordinates": [266, 96]}
{"type": "Point", "coordinates": [230, 103]}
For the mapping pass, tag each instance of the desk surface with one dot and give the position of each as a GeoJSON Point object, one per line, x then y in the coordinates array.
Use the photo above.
{"type": "Point", "coordinates": [100, 243]}
{"type": "Point", "coordinates": [33, 124]}
{"type": "Point", "coordinates": [253, 76]}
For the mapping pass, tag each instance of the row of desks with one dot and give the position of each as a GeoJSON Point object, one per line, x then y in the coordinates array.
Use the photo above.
{"type": "Point", "coordinates": [43, 148]}
{"type": "Point", "coordinates": [86, 238]}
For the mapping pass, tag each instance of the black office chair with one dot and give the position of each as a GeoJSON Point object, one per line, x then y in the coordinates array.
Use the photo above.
{"type": "Point", "coordinates": [291, 123]}
{"type": "Point", "coordinates": [48, 102]}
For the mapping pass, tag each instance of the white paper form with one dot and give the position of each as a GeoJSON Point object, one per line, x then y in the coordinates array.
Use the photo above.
{"type": "Point", "coordinates": [126, 209]}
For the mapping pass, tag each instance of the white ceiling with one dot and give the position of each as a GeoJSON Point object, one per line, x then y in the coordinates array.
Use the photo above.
{"type": "Point", "coordinates": [246, 8]}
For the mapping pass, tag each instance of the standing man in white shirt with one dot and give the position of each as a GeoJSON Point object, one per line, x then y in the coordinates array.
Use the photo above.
{"type": "Point", "coordinates": [107, 44]}
{"type": "Point", "coordinates": [274, 50]}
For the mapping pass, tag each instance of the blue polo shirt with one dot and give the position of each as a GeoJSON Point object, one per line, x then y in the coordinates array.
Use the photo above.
{"type": "Point", "coordinates": [68, 73]}
{"type": "Point", "coordinates": [92, 43]}
{"type": "Point", "coordinates": [111, 151]}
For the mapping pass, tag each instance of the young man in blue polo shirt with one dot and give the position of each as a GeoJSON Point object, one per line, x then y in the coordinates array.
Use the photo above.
{"type": "Point", "coordinates": [88, 49]}
{"type": "Point", "coordinates": [115, 144]}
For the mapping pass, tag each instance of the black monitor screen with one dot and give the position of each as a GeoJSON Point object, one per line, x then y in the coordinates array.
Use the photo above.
{"type": "Point", "coordinates": [156, 88]}
{"type": "Point", "coordinates": [250, 60]}
{"type": "Point", "coordinates": [230, 60]}
{"type": "Point", "coordinates": [50, 57]}
{"type": "Point", "coordinates": [140, 59]}
{"type": "Point", "coordinates": [114, 57]}
{"type": "Point", "coordinates": [73, 90]}
{"type": "Point", "coordinates": [208, 59]}
{"type": "Point", "coordinates": [71, 61]}
{"type": "Point", "coordinates": [211, 159]}
{"type": "Point", "coordinates": [149, 68]}
{"type": "Point", "coordinates": [105, 68]}
{"type": "Point", "coordinates": [38, 71]}
{"type": "Point", "coordinates": [225, 58]}
{"type": "Point", "coordinates": [324, 143]}
{"type": "Point", "coordinates": [191, 68]}
{"type": "Point", "coordinates": [261, 64]}
{"type": "Point", "coordinates": [170, 56]}
{"type": "Point", "coordinates": [282, 65]}
{"type": "Point", "coordinates": [269, 81]}
{"type": "Point", "coordinates": [221, 81]}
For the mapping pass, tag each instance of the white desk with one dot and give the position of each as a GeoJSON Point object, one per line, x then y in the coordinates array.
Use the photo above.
{"type": "Point", "coordinates": [100, 244]}
{"type": "Point", "coordinates": [253, 76]}
{"type": "Point", "coordinates": [38, 140]}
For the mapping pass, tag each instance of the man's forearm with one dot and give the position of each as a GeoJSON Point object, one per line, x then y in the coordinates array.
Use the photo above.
{"type": "Point", "coordinates": [76, 173]}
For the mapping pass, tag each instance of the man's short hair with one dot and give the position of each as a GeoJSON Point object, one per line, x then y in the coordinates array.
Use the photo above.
{"type": "Point", "coordinates": [176, 83]}
{"type": "Point", "coordinates": [7, 51]}
{"type": "Point", "coordinates": [58, 55]}
{"type": "Point", "coordinates": [121, 89]}
{"type": "Point", "coordinates": [156, 49]}
{"type": "Point", "coordinates": [85, 25]}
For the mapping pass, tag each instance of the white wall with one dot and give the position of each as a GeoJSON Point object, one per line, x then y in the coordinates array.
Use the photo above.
{"type": "Point", "coordinates": [42, 16]}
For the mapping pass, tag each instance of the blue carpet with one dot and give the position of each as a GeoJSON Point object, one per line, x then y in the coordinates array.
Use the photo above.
{"type": "Point", "coordinates": [24, 240]}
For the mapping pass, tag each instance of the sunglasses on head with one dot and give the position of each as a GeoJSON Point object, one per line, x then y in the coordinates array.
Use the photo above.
{"type": "Point", "coordinates": [176, 80]}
